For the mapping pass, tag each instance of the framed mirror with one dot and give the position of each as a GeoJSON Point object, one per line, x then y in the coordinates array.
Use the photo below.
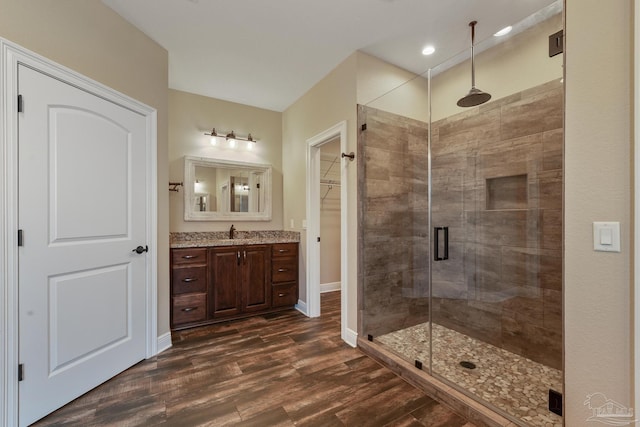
{"type": "Point", "coordinates": [224, 190]}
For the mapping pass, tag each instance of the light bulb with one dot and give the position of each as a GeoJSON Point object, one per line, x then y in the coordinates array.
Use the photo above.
{"type": "Point", "coordinates": [428, 50]}
{"type": "Point", "coordinates": [232, 143]}
{"type": "Point", "coordinates": [249, 145]}
{"type": "Point", "coordinates": [214, 140]}
{"type": "Point", "coordinates": [504, 31]}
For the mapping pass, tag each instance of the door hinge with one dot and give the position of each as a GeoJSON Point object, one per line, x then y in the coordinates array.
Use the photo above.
{"type": "Point", "coordinates": [20, 104]}
{"type": "Point", "coordinates": [20, 372]}
{"type": "Point", "coordinates": [363, 127]}
{"type": "Point", "coordinates": [20, 241]}
{"type": "Point", "coordinates": [318, 239]}
{"type": "Point", "coordinates": [556, 43]}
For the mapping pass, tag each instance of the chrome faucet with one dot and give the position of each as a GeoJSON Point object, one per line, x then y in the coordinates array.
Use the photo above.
{"type": "Point", "coordinates": [231, 230]}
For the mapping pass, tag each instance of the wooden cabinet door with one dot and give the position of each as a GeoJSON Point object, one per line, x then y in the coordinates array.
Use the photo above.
{"type": "Point", "coordinates": [225, 266]}
{"type": "Point", "coordinates": [256, 271]}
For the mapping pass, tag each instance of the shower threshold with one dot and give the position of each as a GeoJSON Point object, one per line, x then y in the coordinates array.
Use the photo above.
{"type": "Point", "coordinates": [509, 382]}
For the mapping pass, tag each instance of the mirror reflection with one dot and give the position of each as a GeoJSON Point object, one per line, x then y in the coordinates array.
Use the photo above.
{"type": "Point", "coordinates": [220, 190]}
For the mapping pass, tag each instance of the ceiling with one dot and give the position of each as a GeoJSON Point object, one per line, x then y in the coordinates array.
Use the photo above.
{"type": "Point", "coordinates": [268, 53]}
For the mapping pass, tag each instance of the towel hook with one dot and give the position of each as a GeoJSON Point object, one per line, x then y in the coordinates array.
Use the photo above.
{"type": "Point", "coordinates": [351, 156]}
{"type": "Point", "coordinates": [173, 186]}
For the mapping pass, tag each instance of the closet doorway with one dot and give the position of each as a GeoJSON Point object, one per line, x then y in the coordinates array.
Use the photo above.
{"type": "Point", "coordinates": [326, 197]}
{"type": "Point", "coordinates": [330, 216]}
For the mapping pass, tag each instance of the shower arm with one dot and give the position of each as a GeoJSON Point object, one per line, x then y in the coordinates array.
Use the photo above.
{"type": "Point", "coordinates": [472, 24]}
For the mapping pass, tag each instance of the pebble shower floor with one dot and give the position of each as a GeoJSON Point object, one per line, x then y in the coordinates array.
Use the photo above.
{"type": "Point", "coordinates": [513, 383]}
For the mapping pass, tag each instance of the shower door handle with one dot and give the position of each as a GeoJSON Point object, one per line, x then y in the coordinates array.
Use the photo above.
{"type": "Point", "coordinates": [436, 243]}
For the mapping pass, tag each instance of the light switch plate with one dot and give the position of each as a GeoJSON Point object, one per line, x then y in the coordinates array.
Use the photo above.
{"type": "Point", "coordinates": [606, 236]}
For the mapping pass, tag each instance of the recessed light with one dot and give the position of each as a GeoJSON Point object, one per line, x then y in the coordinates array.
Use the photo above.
{"type": "Point", "coordinates": [428, 50]}
{"type": "Point", "coordinates": [504, 31]}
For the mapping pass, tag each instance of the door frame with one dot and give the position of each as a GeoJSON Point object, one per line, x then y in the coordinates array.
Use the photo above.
{"type": "Point", "coordinates": [636, 205]}
{"type": "Point", "coordinates": [12, 55]}
{"type": "Point", "coordinates": [313, 225]}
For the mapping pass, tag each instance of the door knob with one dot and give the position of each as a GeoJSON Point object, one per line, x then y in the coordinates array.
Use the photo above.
{"type": "Point", "coordinates": [140, 249]}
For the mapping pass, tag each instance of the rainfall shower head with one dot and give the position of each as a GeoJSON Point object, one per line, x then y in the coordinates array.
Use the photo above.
{"type": "Point", "coordinates": [473, 98]}
{"type": "Point", "coordinates": [475, 95]}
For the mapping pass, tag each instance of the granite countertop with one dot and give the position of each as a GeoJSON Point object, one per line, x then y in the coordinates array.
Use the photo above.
{"type": "Point", "coordinates": [221, 238]}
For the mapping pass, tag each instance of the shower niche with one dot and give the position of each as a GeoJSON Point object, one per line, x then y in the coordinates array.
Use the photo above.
{"type": "Point", "coordinates": [487, 320]}
{"type": "Point", "coordinates": [507, 192]}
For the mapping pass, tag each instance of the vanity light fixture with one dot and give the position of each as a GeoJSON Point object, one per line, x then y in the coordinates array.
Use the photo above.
{"type": "Point", "coordinates": [231, 138]}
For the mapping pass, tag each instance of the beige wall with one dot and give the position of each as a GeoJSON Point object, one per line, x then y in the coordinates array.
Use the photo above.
{"type": "Point", "coordinates": [519, 63]}
{"type": "Point", "coordinates": [386, 87]}
{"type": "Point", "coordinates": [329, 102]}
{"type": "Point", "coordinates": [360, 78]}
{"type": "Point", "coordinates": [90, 38]}
{"type": "Point", "coordinates": [598, 153]}
{"type": "Point", "coordinates": [190, 116]}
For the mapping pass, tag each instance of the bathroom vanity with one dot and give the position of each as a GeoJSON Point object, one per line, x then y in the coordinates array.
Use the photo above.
{"type": "Point", "coordinates": [216, 279]}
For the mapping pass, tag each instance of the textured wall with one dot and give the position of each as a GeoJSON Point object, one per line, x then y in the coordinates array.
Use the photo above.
{"type": "Point", "coordinates": [393, 214]}
{"type": "Point", "coordinates": [497, 186]}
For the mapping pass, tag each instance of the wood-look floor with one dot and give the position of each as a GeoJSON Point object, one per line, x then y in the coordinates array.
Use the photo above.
{"type": "Point", "coordinates": [276, 370]}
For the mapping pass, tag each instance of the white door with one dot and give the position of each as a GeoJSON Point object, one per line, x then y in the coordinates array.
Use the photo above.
{"type": "Point", "coordinates": [82, 209]}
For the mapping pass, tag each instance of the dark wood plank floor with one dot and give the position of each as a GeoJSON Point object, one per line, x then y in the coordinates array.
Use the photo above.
{"type": "Point", "coordinates": [277, 370]}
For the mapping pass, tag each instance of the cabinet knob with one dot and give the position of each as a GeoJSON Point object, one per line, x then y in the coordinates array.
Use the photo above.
{"type": "Point", "coordinates": [283, 250]}
{"type": "Point", "coordinates": [189, 279]}
{"type": "Point", "coordinates": [281, 294]}
{"type": "Point", "coordinates": [188, 309]}
{"type": "Point", "coordinates": [190, 256]}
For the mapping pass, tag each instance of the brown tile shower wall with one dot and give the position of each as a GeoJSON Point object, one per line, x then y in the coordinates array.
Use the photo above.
{"type": "Point", "coordinates": [393, 209]}
{"type": "Point", "coordinates": [497, 184]}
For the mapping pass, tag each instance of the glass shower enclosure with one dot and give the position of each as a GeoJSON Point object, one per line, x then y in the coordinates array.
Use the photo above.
{"type": "Point", "coordinates": [460, 227]}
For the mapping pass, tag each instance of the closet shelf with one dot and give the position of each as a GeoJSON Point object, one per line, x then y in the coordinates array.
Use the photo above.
{"type": "Point", "coordinates": [330, 182]}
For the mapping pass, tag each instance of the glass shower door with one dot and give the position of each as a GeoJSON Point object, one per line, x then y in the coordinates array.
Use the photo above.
{"type": "Point", "coordinates": [496, 269]}
{"type": "Point", "coordinates": [394, 251]}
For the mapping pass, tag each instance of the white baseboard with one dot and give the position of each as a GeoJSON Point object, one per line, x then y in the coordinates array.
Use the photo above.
{"type": "Point", "coordinates": [329, 287]}
{"type": "Point", "coordinates": [164, 342]}
{"type": "Point", "coordinates": [301, 306]}
{"type": "Point", "coordinates": [350, 337]}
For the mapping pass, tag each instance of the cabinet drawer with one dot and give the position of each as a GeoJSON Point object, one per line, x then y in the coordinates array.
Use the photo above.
{"type": "Point", "coordinates": [285, 294]}
{"type": "Point", "coordinates": [284, 250]}
{"type": "Point", "coordinates": [188, 280]}
{"type": "Point", "coordinates": [189, 308]}
{"type": "Point", "coordinates": [188, 256]}
{"type": "Point", "coordinates": [284, 270]}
